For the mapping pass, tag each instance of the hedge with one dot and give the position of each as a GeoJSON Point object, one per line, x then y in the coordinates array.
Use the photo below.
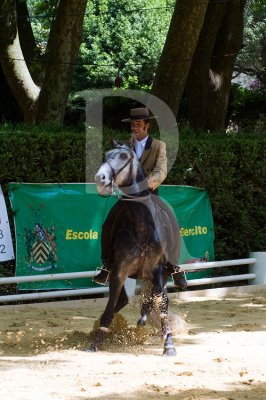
{"type": "Point", "coordinates": [232, 169]}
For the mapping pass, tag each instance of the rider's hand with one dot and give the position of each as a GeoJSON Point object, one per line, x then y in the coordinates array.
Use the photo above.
{"type": "Point", "coordinates": [152, 184]}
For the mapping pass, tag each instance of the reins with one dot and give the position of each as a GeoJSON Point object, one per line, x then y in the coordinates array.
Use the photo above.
{"type": "Point", "coordinates": [126, 196]}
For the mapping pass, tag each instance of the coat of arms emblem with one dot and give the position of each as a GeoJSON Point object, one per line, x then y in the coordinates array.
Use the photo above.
{"type": "Point", "coordinates": [41, 248]}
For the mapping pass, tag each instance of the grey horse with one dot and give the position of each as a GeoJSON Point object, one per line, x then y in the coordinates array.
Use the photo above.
{"type": "Point", "coordinates": [140, 243]}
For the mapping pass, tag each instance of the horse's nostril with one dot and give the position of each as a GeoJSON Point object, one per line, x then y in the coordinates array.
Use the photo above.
{"type": "Point", "coordinates": [100, 178]}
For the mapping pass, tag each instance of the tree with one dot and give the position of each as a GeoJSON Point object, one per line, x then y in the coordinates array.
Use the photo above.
{"type": "Point", "coordinates": [228, 43]}
{"type": "Point", "coordinates": [252, 60]}
{"type": "Point", "coordinates": [30, 50]}
{"type": "Point", "coordinates": [9, 109]}
{"type": "Point", "coordinates": [122, 39]}
{"type": "Point", "coordinates": [46, 102]}
{"type": "Point", "coordinates": [209, 81]}
{"type": "Point", "coordinates": [196, 89]}
{"type": "Point", "coordinates": [176, 57]}
{"type": "Point", "coordinates": [199, 54]}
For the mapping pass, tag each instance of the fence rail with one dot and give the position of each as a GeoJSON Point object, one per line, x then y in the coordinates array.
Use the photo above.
{"type": "Point", "coordinates": [87, 274]}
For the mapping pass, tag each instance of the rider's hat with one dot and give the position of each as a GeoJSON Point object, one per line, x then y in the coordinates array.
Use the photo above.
{"type": "Point", "coordinates": [141, 113]}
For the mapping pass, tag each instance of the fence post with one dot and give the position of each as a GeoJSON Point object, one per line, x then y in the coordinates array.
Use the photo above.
{"type": "Point", "coordinates": [259, 268]}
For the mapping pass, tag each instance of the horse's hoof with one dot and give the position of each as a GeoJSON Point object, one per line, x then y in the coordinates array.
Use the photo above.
{"type": "Point", "coordinates": [141, 322]}
{"type": "Point", "coordinates": [169, 352]}
{"type": "Point", "coordinates": [91, 349]}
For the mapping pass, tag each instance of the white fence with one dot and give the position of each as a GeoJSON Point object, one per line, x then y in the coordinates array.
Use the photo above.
{"type": "Point", "coordinates": [257, 264]}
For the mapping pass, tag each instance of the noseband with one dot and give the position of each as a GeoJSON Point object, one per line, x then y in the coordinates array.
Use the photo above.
{"type": "Point", "coordinates": [116, 190]}
{"type": "Point", "coordinates": [115, 173]}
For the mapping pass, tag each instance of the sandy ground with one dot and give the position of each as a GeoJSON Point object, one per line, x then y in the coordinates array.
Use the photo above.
{"type": "Point", "coordinates": [220, 356]}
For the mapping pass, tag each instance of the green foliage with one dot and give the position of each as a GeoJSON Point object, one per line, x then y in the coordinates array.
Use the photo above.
{"type": "Point", "coordinates": [248, 108]}
{"type": "Point", "coordinates": [122, 39]}
{"type": "Point", "coordinates": [41, 13]}
{"type": "Point", "coordinates": [253, 57]}
{"type": "Point", "coordinates": [232, 169]}
{"type": "Point", "coordinates": [41, 154]}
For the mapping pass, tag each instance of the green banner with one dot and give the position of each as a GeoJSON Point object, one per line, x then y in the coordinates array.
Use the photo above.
{"type": "Point", "coordinates": [58, 229]}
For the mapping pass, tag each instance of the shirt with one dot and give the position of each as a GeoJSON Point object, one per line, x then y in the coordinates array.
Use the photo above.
{"type": "Point", "coordinates": [140, 146]}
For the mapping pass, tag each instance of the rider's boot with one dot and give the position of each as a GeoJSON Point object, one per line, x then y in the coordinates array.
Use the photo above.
{"type": "Point", "coordinates": [178, 276]}
{"type": "Point", "coordinates": [179, 279]}
{"type": "Point", "coordinates": [103, 276]}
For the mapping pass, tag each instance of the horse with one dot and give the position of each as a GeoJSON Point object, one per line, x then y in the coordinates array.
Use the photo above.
{"type": "Point", "coordinates": [140, 242]}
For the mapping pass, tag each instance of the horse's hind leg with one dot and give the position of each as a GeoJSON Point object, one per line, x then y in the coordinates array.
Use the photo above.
{"type": "Point", "coordinates": [148, 303]}
{"type": "Point", "coordinates": [162, 304]}
{"type": "Point", "coordinates": [169, 348]}
{"type": "Point", "coordinates": [146, 309]}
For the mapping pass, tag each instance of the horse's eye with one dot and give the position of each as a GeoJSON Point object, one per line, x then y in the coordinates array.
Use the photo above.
{"type": "Point", "coordinates": [123, 155]}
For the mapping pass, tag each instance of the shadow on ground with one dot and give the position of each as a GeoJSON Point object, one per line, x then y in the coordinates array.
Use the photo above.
{"type": "Point", "coordinates": [239, 391]}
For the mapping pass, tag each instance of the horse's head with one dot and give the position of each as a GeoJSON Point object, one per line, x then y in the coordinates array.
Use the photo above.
{"type": "Point", "coordinates": [120, 167]}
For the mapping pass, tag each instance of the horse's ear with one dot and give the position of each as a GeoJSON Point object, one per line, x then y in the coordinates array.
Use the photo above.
{"type": "Point", "coordinates": [114, 143]}
{"type": "Point", "coordinates": [131, 142]}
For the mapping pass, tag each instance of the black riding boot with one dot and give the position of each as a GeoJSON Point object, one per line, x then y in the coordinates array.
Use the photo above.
{"type": "Point", "coordinates": [103, 276]}
{"type": "Point", "coordinates": [178, 276]}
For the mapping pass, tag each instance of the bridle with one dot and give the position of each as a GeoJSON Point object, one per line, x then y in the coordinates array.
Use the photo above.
{"type": "Point", "coordinates": [116, 190]}
{"type": "Point", "coordinates": [115, 173]}
{"type": "Point", "coordinates": [130, 160]}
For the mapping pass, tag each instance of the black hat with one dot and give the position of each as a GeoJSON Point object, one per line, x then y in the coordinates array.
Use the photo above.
{"type": "Point", "coordinates": [138, 114]}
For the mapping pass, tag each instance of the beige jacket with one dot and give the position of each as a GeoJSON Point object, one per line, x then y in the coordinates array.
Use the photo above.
{"type": "Point", "coordinates": [154, 161]}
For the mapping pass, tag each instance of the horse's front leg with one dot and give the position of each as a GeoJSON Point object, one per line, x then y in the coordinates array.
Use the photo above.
{"type": "Point", "coordinates": [169, 348]}
{"type": "Point", "coordinates": [115, 285]}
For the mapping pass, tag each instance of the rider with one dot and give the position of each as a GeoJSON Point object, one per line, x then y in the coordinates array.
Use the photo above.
{"type": "Point", "coordinates": [152, 156]}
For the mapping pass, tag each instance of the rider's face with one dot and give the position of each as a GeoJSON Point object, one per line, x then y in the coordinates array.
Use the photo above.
{"type": "Point", "coordinates": [140, 129]}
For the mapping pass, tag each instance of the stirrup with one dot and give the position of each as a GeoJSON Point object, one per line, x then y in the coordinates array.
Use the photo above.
{"type": "Point", "coordinates": [177, 271]}
{"type": "Point", "coordinates": [105, 272]}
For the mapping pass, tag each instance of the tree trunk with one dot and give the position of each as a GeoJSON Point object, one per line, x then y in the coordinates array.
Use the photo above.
{"type": "Point", "coordinates": [9, 109]}
{"type": "Point", "coordinates": [62, 50]}
{"type": "Point", "coordinates": [12, 61]}
{"type": "Point", "coordinates": [28, 44]}
{"type": "Point", "coordinates": [228, 43]}
{"type": "Point", "coordinates": [49, 102]}
{"type": "Point", "coordinates": [196, 90]}
{"type": "Point", "coordinates": [180, 44]}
